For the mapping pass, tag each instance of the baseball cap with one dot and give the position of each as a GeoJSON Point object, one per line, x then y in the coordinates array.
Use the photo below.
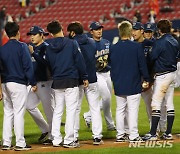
{"type": "Point", "coordinates": [95, 25]}
{"type": "Point", "coordinates": [137, 26]}
{"type": "Point", "coordinates": [36, 30]}
{"type": "Point", "coordinates": [148, 27]}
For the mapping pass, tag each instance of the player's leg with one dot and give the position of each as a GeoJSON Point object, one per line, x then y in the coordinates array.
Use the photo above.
{"type": "Point", "coordinates": [170, 112]}
{"type": "Point", "coordinates": [160, 88]}
{"type": "Point", "coordinates": [18, 93]}
{"type": "Point", "coordinates": [45, 95]}
{"type": "Point", "coordinates": [147, 97]}
{"type": "Point", "coordinates": [163, 118]}
{"type": "Point", "coordinates": [59, 100]}
{"type": "Point", "coordinates": [31, 106]}
{"type": "Point", "coordinates": [103, 81]}
{"type": "Point", "coordinates": [133, 102]}
{"type": "Point", "coordinates": [8, 118]}
{"type": "Point", "coordinates": [71, 99]}
{"type": "Point", "coordinates": [120, 117]}
{"type": "Point", "coordinates": [92, 97]}
{"type": "Point", "coordinates": [78, 110]}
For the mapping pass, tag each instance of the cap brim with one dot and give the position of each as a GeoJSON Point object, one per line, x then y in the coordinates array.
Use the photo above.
{"type": "Point", "coordinates": [44, 33]}
{"type": "Point", "coordinates": [97, 27]}
{"type": "Point", "coordinates": [148, 30]}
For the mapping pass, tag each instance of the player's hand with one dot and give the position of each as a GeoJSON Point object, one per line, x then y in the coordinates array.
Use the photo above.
{"type": "Point", "coordinates": [146, 86]}
{"type": "Point", "coordinates": [34, 88]}
{"type": "Point", "coordinates": [86, 83]}
{"type": "Point", "coordinates": [31, 49]}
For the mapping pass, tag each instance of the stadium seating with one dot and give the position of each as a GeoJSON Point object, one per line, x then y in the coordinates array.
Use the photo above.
{"type": "Point", "coordinates": [40, 12]}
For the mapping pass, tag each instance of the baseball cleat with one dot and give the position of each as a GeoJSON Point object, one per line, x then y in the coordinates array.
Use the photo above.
{"type": "Point", "coordinates": [166, 136]}
{"type": "Point", "coordinates": [137, 139]}
{"type": "Point", "coordinates": [123, 138]}
{"type": "Point", "coordinates": [18, 148]}
{"type": "Point", "coordinates": [6, 147]}
{"type": "Point", "coordinates": [42, 137]}
{"type": "Point", "coordinates": [97, 141]}
{"type": "Point", "coordinates": [70, 145]}
{"type": "Point", "coordinates": [150, 137]}
{"type": "Point", "coordinates": [47, 142]}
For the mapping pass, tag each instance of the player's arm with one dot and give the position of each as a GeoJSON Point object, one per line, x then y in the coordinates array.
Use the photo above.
{"type": "Point", "coordinates": [156, 51]}
{"type": "Point", "coordinates": [39, 58]}
{"type": "Point", "coordinates": [28, 66]}
{"type": "Point", "coordinates": [80, 64]}
{"type": "Point", "coordinates": [143, 67]}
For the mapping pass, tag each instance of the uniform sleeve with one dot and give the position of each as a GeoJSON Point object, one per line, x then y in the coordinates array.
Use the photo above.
{"type": "Point", "coordinates": [142, 64]}
{"type": "Point", "coordinates": [156, 51]}
{"type": "Point", "coordinates": [79, 61]}
{"type": "Point", "coordinates": [27, 65]}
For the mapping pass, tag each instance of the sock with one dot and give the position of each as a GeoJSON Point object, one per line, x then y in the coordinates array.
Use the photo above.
{"type": "Point", "coordinates": [170, 120]}
{"type": "Point", "coordinates": [155, 120]}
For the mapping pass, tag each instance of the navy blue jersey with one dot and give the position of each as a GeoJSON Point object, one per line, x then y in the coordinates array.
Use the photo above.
{"type": "Point", "coordinates": [88, 49]}
{"type": "Point", "coordinates": [147, 47]}
{"type": "Point", "coordinates": [65, 59]}
{"type": "Point", "coordinates": [102, 54]}
{"type": "Point", "coordinates": [40, 63]}
{"type": "Point", "coordinates": [16, 63]}
{"type": "Point", "coordinates": [128, 67]}
{"type": "Point", "coordinates": [164, 54]}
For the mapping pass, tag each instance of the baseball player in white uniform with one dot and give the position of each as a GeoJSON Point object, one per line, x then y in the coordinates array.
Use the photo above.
{"type": "Point", "coordinates": [16, 74]}
{"type": "Point", "coordinates": [43, 94]}
{"type": "Point", "coordinates": [103, 75]}
{"type": "Point", "coordinates": [164, 54]}
{"type": "Point", "coordinates": [88, 50]}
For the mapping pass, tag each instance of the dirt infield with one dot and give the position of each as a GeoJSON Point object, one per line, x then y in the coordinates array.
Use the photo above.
{"type": "Point", "coordinates": [84, 145]}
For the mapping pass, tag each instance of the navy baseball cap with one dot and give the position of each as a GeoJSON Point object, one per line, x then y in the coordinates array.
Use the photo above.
{"type": "Point", "coordinates": [137, 26]}
{"type": "Point", "coordinates": [37, 30]}
{"type": "Point", "coordinates": [95, 25]}
{"type": "Point", "coordinates": [149, 27]}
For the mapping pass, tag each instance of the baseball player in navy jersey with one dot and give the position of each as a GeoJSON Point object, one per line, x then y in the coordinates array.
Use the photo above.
{"type": "Point", "coordinates": [67, 66]}
{"type": "Point", "coordinates": [43, 94]}
{"type": "Point", "coordinates": [149, 29]}
{"type": "Point", "coordinates": [103, 74]}
{"type": "Point", "coordinates": [127, 80]}
{"type": "Point", "coordinates": [17, 72]}
{"type": "Point", "coordinates": [88, 50]}
{"type": "Point", "coordinates": [164, 54]}
{"type": "Point", "coordinates": [137, 34]}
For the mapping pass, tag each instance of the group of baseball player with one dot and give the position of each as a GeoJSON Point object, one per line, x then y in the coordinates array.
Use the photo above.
{"type": "Point", "coordinates": [59, 71]}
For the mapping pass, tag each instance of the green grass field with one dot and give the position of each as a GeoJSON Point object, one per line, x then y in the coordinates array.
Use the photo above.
{"type": "Point", "coordinates": [32, 132]}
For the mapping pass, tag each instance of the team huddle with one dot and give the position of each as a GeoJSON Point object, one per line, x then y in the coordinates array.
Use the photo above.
{"type": "Point", "coordinates": [59, 71]}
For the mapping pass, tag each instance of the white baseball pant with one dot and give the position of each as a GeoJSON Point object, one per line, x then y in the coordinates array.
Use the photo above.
{"type": "Point", "coordinates": [132, 103]}
{"type": "Point", "coordinates": [163, 89]}
{"type": "Point", "coordinates": [14, 98]}
{"type": "Point", "coordinates": [92, 96]}
{"type": "Point", "coordinates": [62, 97]}
{"type": "Point", "coordinates": [43, 94]}
{"type": "Point", "coordinates": [105, 92]}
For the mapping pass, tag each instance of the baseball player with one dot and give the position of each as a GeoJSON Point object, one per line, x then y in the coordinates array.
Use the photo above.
{"type": "Point", "coordinates": [17, 72]}
{"type": "Point", "coordinates": [137, 34]}
{"type": "Point", "coordinates": [88, 49]}
{"type": "Point", "coordinates": [164, 54]}
{"type": "Point", "coordinates": [43, 94]}
{"type": "Point", "coordinates": [127, 80]}
{"type": "Point", "coordinates": [139, 31]}
{"type": "Point", "coordinates": [67, 66]}
{"type": "Point", "coordinates": [103, 74]}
